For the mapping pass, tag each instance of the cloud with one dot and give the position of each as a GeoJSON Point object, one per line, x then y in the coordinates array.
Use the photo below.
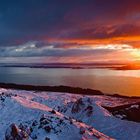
{"type": "Point", "coordinates": [72, 30]}
{"type": "Point", "coordinates": [35, 49]}
{"type": "Point", "coordinates": [25, 21]}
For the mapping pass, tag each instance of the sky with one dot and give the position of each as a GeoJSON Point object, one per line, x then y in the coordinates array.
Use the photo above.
{"type": "Point", "coordinates": [69, 31]}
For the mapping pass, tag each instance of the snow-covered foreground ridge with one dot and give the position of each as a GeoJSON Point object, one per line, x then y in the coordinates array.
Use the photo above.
{"type": "Point", "coordinates": [31, 115]}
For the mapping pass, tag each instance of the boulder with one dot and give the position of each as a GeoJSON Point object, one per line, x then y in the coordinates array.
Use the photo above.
{"type": "Point", "coordinates": [13, 132]}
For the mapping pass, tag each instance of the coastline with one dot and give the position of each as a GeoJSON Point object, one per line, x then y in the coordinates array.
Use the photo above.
{"type": "Point", "coordinates": [63, 89]}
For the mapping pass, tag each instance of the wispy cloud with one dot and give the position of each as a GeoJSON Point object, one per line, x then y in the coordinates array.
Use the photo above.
{"type": "Point", "coordinates": [34, 51]}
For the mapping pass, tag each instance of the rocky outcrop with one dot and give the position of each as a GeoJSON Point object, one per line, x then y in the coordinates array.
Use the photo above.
{"type": "Point", "coordinates": [77, 106]}
{"type": "Point", "coordinates": [130, 112]}
{"type": "Point", "coordinates": [16, 133]}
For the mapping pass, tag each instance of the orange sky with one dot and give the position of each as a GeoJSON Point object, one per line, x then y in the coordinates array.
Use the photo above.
{"type": "Point", "coordinates": [70, 31]}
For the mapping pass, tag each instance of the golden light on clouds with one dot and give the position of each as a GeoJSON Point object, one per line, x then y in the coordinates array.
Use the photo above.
{"type": "Point", "coordinates": [136, 53]}
{"type": "Point", "coordinates": [129, 40]}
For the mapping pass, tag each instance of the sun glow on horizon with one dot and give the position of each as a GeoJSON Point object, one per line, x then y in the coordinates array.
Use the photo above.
{"type": "Point", "coordinates": [136, 53]}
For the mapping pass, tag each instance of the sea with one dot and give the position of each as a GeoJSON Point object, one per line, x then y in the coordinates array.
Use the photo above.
{"type": "Point", "coordinates": [111, 81]}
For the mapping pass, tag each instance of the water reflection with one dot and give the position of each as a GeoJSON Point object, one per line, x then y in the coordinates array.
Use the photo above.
{"type": "Point", "coordinates": [110, 81]}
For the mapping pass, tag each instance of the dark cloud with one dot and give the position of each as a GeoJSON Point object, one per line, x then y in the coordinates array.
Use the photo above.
{"type": "Point", "coordinates": [104, 32]}
{"type": "Point", "coordinates": [29, 20]}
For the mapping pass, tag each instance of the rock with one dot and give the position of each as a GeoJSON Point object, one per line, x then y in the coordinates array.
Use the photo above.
{"type": "Point", "coordinates": [15, 133]}
{"type": "Point", "coordinates": [78, 105]}
{"type": "Point", "coordinates": [82, 130]}
{"type": "Point", "coordinates": [14, 130]}
{"type": "Point", "coordinates": [43, 117]}
{"type": "Point", "coordinates": [89, 110]}
{"type": "Point", "coordinates": [53, 112]}
{"type": "Point", "coordinates": [35, 123]}
{"type": "Point", "coordinates": [47, 129]}
{"type": "Point", "coordinates": [47, 138]}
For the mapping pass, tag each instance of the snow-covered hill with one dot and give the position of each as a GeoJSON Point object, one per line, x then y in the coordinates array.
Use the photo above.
{"type": "Point", "coordinates": [32, 115]}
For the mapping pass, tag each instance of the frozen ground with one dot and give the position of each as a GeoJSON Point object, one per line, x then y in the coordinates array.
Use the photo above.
{"type": "Point", "coordinates": [32, 115]}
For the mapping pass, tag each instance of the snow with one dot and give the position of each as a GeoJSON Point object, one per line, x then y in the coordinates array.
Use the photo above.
{"type": "Point", "coordinates": [70, 116]}
{"type": "Point", "coordinates": [134, 106]}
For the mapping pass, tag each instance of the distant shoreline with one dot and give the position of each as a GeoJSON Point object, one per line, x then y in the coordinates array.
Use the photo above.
{"type": "Point", "coordinates": [61, 88]}
{"type": "Point", "coordinates": [66, 67]}
{"type": "Point", "coordinates": [84, 66]}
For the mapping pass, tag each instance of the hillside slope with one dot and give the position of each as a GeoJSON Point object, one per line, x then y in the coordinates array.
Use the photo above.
{"type": "Point", "coordinates": [32, 115]}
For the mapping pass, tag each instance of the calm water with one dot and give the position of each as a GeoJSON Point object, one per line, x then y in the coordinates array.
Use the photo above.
{"type": "Point", "coordinates": [109, 81]}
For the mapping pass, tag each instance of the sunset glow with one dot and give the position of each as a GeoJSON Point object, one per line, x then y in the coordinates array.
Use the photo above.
{"type": "Point", "coordinates": [69, 69]}
{"type": "Point", "coordinates": [136, 53]}
{"type": "Point", "coordinates": [92, 31]}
